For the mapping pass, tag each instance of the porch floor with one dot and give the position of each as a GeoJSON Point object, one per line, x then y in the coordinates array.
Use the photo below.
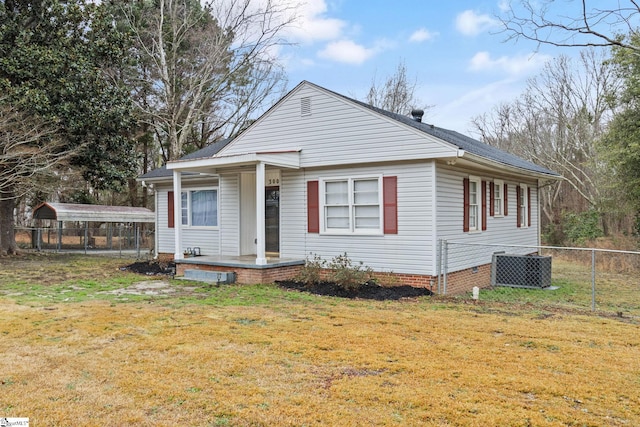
{"type": "Point", "coordinates": [244, 261]}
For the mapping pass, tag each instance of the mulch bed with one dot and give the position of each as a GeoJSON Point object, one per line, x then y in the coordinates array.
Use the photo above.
{"type": "Point", "coordinates": [152, 268]}
{"type": "Point", "coordinates": [366, 291]}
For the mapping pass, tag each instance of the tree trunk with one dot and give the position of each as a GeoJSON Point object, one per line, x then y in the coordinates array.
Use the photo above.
{"type": "Point", "coordinates": [7, 232]}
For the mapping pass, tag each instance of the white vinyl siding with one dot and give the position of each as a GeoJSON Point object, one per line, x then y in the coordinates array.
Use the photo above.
{"type": "Point", "coordinates": [230, 213]}
{"type": "Point", "coordinates": [409, 251]}
{"type": "Point", "coordinates": [335, 132]}
{"type": "Point", "coordinates": [500, 230]}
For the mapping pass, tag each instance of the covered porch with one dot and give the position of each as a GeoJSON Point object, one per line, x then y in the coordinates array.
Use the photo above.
{"type": "Point", "coordinates": [254, 254]}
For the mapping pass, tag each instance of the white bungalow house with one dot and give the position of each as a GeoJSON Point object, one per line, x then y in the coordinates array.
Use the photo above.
{"type": "Point", "coordinates": [322, 174]}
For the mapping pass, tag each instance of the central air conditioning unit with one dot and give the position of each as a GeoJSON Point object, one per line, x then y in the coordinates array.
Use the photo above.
{"type": "Point", "coordinates": [521, 271]}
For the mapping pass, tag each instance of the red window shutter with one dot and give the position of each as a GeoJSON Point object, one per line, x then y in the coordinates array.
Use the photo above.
{"type": "Point", "coordinates": [313, 207]}
{"type": "Point", "coordinates": [390, 204]}
{"type": "Point", "coordinates": [465, 197]}
{"type": "Point", "coordinates": [484, 204]}
{"type": "Point", "coordinates": [170, 211]}
{"type": "Point", "coordinates": [518, 213]}
{"type": "Point", "coordinates": [492, 199]}
{"type": "Point", "coordinates": [529, 206]}
{"type": "Point", "coordinates": [505, 200]}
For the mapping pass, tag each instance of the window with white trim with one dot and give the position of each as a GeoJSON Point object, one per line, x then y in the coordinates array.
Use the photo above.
{"type": "Point", "coordinates": [498, 198]}
{"type": "Point", "coordinates": [352, 205]}
{"type": "Point", "coordinates": [199, 208]}
{"type": "Point", "coordinates": [523, 205]}
{"type": "Point", "coordinates": [475, 203]}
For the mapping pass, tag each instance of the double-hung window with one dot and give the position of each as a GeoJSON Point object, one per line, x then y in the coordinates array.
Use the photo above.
{"type": "Point", "coordinates": [352, 205]}
{"type": "Point", "coordinates": [523, 206]}
{"type": "Point", "coordinates": [474, 204]}
{"type": "Point", "coordinates": [199, 208]}
{"type": "Point", "coordinates": [498, 197]}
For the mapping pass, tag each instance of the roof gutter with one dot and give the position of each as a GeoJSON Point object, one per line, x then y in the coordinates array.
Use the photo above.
{"type": "Point", "coordinates": [516, 170]}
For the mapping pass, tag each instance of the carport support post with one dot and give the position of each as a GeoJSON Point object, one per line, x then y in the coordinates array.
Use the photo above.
{"type": "Point", "coordinates": [135, 225]}
{"type": "Point", "coordinates": [86, 235]}
{"type": "Point", "coordinates": [59, 235]}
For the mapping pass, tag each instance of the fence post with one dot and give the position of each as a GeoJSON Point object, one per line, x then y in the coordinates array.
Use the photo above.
{"type": "Point", "coordinates": [439, 263]}
{"type": "Point", "coordinates": [593, 280]}
{"type": "Point", "coordinates": [445, 266]}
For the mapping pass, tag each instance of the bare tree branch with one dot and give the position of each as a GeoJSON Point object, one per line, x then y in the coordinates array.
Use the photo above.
{"type": "Point", "coordinates": [589, 25]}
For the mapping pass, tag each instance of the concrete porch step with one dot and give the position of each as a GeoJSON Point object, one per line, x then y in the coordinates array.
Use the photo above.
{"type": "Point", "coordinates": [223, 277]}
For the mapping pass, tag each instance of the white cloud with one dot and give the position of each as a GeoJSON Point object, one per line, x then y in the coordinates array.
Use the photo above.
{"type": "Point", "coordinates": [516, 65]}
{"type": "Point", "coordinates": [504, 5]}
{"type": "Point", "coordinates": [421, 35]}
{"type": "Point", "coordinates": [312, 23]}
{"type": "Point", "coordinates": [470, 23]}
{"type": "Point", "coordinates": [347, 51]}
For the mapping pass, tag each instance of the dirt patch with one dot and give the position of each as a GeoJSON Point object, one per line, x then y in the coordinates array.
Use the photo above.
{"type": "Point", "coordinates": [151, 287]}
{"type": "Point", "coordinates": [366, 291]}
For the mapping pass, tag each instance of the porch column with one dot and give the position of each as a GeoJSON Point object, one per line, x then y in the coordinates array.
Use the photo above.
{"type": "Point", "coordinates": [261, 258]}
{"type": "Point", "coordinates": [177, 214]}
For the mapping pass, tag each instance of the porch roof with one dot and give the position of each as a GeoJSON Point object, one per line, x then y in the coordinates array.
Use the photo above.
{"type": "Point", "coordinates": [283, 159]}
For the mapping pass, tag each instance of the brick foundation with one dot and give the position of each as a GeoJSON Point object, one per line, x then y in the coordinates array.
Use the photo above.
{"type": "Point", "coordinates": [457, 282]}
{"type": "Point", "coordinates": [246, 276]}
{"type": "Point", "coordinates": [463, 281]}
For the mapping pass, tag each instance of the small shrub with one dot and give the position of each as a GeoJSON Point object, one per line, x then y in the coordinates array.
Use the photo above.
{"type": "Point", "coordinates": [348, 276]}
{"type": "Point", "coordinates": [312, 271]}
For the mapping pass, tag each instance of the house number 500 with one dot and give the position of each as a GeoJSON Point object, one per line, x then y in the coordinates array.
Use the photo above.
{"type": "Point", "coordinates": [273, 181]}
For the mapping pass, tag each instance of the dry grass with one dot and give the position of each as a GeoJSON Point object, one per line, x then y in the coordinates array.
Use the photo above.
{"type": "Point", "coordinates": [262, 356]}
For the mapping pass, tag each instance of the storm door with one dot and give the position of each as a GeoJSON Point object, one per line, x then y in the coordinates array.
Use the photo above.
{"type": "Point", "coordinates": [272, 219]}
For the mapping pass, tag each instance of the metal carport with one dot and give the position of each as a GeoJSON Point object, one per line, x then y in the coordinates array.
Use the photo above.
{"type": "Point", "coordinates": [72, 212]}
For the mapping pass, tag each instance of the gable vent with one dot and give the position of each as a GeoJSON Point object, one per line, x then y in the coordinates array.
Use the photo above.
{"type": "Point", "coordinates": [305, 106]}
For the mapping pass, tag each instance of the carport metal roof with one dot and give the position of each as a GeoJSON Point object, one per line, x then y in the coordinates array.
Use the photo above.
{"type": "Point", "coordinates": [92, 213]}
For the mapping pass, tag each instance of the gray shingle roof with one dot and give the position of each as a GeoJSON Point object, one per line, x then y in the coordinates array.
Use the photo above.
{"type": "Point", "coordinates": [207, 151]}
{"type": "Point", "coordinates": [461, 141]}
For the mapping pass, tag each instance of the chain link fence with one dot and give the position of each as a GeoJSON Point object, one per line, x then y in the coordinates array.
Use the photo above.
{"type": "Point", "coordinates": [104, 237]}
{"type": "Point", "coordinates": [544, 276]}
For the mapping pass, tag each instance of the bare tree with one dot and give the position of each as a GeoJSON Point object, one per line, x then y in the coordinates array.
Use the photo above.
{"type": "Point", "coordinates": [556, 122]}
{"type": "Point", "coordinates": [24, 166]}
{"type": "Point", "coordinates": [588, 24]}
{"type": "Point", "coordinates": [396, 94]}
{"type": "Point", "coordinates": [204, 70]}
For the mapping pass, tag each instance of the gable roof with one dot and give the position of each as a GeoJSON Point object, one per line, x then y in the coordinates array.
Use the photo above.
{"type": "Point", "coordinates": [468, 145]}
{"type": "Point", "coordinates": [208, 151]}
{"type": "Point", "coordinates": [463, 142]}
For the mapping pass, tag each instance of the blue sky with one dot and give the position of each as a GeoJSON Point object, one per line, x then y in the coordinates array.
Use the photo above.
{"type": "Point", "coordinates": [452, 50]}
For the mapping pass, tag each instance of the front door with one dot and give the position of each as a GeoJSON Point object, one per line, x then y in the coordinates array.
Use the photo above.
{"type": "Point", "coordinates": [272, 219]}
